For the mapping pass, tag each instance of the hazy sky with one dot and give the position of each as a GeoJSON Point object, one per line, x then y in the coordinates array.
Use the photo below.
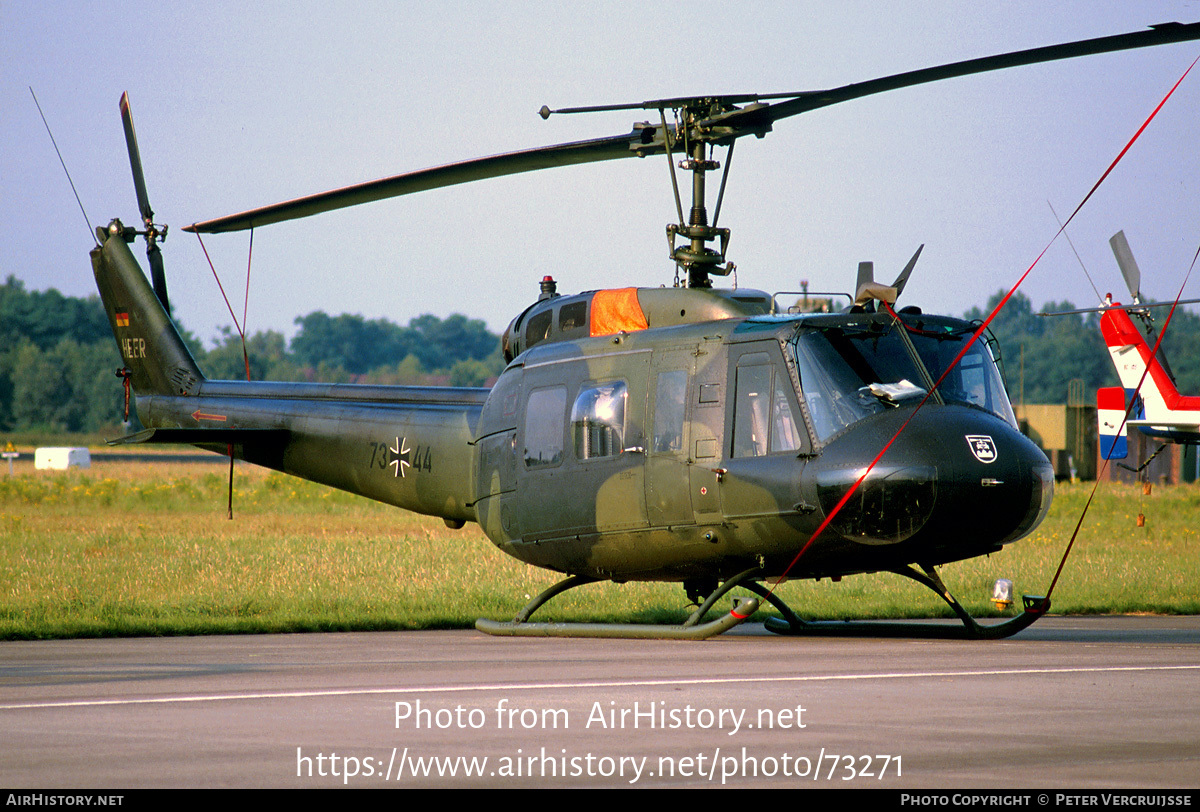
{"type": "Point", "coordinates": [241, 104]}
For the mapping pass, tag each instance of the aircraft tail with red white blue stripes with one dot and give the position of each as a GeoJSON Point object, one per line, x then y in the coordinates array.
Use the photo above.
{"type": "Point", "coordinates": [1157, 410]}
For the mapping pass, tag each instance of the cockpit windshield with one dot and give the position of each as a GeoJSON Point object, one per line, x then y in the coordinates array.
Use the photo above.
{"type": "Point", "coordinates": [975, 381]}
{"type": "Point", "coordinates": [850, 370]}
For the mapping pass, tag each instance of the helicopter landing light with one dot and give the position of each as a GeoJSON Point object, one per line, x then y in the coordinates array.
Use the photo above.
{"type": "Point", "coordinates": [1002, 593]}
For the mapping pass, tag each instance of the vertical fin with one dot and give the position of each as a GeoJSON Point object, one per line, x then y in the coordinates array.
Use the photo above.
{"type": "Point", "coordinates": [149, 343]}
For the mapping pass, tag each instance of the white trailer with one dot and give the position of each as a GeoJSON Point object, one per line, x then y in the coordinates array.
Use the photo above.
{"type": "Point", "coordinates": [60, 459]}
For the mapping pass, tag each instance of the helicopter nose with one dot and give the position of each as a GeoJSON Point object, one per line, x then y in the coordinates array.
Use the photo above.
{"type": "Point", "coordinates": [957, 482]}
{"type": "Point", "coordinates": [996, 484]}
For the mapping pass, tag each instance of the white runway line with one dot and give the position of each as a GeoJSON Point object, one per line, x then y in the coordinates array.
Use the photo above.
{"type": "Point", "coordinates": [544, 686]}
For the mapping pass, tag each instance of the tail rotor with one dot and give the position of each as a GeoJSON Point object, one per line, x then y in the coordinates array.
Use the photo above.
{"type": "Point", "coordinates": [1133, 280]}
{"type": "Point", "coordinates": [152, 232]}
{"type": "Point", "coordinates": [1127, 264]}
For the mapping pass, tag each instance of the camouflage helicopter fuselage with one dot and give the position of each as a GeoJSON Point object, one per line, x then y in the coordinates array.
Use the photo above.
{"type": "Point", "coordinates": [710, 437]}
{"type": "Point", "coordinates": [682, 434]}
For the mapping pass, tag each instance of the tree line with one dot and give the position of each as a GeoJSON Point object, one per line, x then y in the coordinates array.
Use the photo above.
{"type": "Point", "coordinates": [58, 358]}
{"type": "Point", "coordinates": [1040, 355]}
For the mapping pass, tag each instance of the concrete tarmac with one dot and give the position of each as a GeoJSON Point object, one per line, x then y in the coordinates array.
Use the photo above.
{"type": "Point", "coordinates": [1109, 702]}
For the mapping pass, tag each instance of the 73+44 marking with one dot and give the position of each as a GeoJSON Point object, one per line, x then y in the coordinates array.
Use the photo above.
{"type": "Point", "coordinates": [400, 458]}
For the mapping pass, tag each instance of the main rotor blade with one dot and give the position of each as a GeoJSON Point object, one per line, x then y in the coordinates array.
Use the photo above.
{"type": "Point", "coordinates": [902, 279]}
{"type": "Point", "coordinates": [756, 118]}
{"type": "Point", "coordinates": [135, 162]}
{"type": "Point", "coordinates": [866, 275]}
{"type": "Point", "coordinates": [1127, 264]}
{"type": "Point", "coordinates": [638, 143]}
{"type": "Point", "coordinates": [1162, 34]}
{"type": "Point", "coordinates": [1132, 308]}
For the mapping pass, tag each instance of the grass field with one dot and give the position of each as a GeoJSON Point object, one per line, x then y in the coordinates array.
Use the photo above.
{"type": "Point", "coordinates": [135, 548]}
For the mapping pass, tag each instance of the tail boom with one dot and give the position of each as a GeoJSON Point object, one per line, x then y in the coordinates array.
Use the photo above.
{"type": "Point", "coordinates": [408, 446]}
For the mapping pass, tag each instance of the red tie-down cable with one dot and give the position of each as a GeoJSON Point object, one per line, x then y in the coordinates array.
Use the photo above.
{"type": "Point", "coordinates": [979, 331]}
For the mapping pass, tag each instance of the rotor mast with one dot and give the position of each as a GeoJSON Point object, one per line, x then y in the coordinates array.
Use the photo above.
{"type": "Point", "coordinates": [698, 127]}
{"type": "Point", "coordinates": [695, 257]}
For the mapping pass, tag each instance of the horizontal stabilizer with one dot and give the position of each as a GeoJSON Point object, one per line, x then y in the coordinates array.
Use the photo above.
{"type": "Point", "coordinates": [1167, 426]}
{"type": "Point", "coordinates": [204, 436]}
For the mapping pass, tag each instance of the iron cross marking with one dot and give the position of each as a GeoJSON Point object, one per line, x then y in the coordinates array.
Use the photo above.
{"type": "Point", "coordinates": [400, 457]}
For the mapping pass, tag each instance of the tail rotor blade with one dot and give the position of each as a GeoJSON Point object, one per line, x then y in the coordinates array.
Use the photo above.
{"type": "Point", "coordinates": [1129, 268]}
{"type": "Point", "coordinates": [1133, 279]}
{"type": "Point", "coordinates": [135, 162]}
{"type": "Point", "coordinates": [864, 283]}
{"type": "Point", "coordinates": [158, 276]}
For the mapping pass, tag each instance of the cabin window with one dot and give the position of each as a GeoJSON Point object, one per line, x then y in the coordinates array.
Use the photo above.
{"type": "Point", "coordinates": [539, 328]}
{"type": "Point", "coordinates": [762, 419]}
{"type": "Point", "coordinates": [573, 316]}
{"type": "Point", "coordinates": [669, 400]}
{"type": "Point", "coordinates": [544, 416]}
{"type": "Point", "coordinates": [598, 420]}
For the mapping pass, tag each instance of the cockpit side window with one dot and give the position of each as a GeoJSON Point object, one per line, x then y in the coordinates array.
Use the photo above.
{"type": "Point", "coordinates": [544, 415]}
{"type": "Point", "coordinates": [763, 422]}
{"type": "Point", "coordinates": [751, 397]}
{"type": "Point", "coordinates": [784, 434]}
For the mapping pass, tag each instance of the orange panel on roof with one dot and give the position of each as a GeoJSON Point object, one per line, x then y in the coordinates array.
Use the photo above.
{"type": "Point", "coordinates": [617, 310]}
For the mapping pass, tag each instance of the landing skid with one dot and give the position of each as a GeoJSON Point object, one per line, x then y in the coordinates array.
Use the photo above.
{"type": "Point", "coordinates": [690, 629]}
{"type": "Point", "coordinates": [1034, 607]}
{"type": "Point", "coordinates": [790, 624]}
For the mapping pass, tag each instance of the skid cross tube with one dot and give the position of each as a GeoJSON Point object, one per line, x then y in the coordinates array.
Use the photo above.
{"type": "Point", "coordinates": [691, 629]}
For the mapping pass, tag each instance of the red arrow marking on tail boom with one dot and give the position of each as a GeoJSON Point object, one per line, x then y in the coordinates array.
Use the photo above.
{"type": "Point", "coordinates": [199, 415]}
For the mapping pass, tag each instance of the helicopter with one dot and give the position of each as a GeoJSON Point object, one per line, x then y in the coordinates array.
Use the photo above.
{"type": "Point", "coordinates": [714, 437]}
{"type": "Point", "coordinates": [1148, 399]}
